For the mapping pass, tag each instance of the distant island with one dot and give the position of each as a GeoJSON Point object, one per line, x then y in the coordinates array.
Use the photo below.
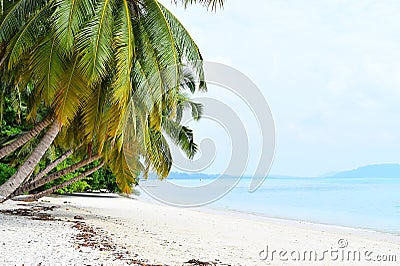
{"type": "Point", "coordinates": [199, 176]}
{"type": "Point", "coordinates": [369, 171]}
{"type": "Point", "coordinates": [372, 171]}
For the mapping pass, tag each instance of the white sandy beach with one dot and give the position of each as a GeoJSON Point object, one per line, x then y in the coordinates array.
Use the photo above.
{"type": "Point", "coordinates": [139, 233]}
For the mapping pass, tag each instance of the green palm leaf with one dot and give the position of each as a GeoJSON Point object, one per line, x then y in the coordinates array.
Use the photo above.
{"type": "Point", "coordinates": [93, 115]}
{"type": "Point", "coordinates": [124, 176]}
{"type": "Point", "coordinates": [186, 46]}
{"type": "Point", "coordinates": [158, 154]}
{"type": "Point", "coordinates": [94, 43]}
{"type": "Point", "coordinates": [159, 32]}
{"type": "Point", "coordinates": [69, 18]}
{"type": "Point", "coordinates": [124, 46]}
{"type": "Point", "coordinates": [28, 36]}
{"type": "Point", "coordinates": [47, 67]}
{"type": "Point", "coordinates": [14, 18]}
{"type": "Point", "coordinates": [72, 93]}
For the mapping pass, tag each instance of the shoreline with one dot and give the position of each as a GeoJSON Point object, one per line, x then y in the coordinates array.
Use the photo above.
{"type": "Point", "coordinates": [305, 223]}
{"type": "Point", "coordinates": [279, 220]}
{"type": "Point", "coordinates": [155, 234]}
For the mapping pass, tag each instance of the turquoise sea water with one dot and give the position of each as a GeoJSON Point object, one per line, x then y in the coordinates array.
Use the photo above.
{"type": "Point", "coordinates": [369, 203]}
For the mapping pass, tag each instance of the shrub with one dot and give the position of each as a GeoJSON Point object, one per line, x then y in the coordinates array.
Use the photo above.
{"type": "Point", "coordinates": [5, 173]}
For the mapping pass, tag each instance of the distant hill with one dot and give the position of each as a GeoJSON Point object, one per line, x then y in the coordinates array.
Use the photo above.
{"type": "Point", "coordinates": [369, 171]}
{"type": "Point", "coordinates": [376, 170]}
{"type": "Point", "coordinates": [176, 175]}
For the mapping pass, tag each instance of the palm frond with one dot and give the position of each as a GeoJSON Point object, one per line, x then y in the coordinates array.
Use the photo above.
{"type": "Point", "coordinates": [94, 43]}
{"type": "Point", "coordinates": [93, 114]}
{"type": "Point", "coordinates": [184, 103]}
{"type": "Point", "coordinates": [159, 32]}
{"type": "Point", "coordinates": [182, 136]}
{"type": "Point", "coordinates": [16, 15]}
{"type": "Point", "coordinates": [124, 175]}
{"type": "Point", "coordinates": [124, 46]}
{"type": "Point", "coordinates": [28, 36]}
{"type": "Point", "coordinates": [47, 68]}
{"type": "Point", "coordinates": [71, 95]}
{"type": "Point", "coordinates": [69, 17]}
{"type": "Point", "coordinates": [158, 154]}
{"type": "Point", "coordinates": [186, 46]}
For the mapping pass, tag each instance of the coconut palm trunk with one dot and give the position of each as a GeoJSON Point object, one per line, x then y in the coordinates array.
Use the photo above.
{"type": "Point", "coordinates": [51, 166]}
{"type": "Point", "coordinates": [27, 168]}
{"type": "Point", "coordinates": [63, 185]}
{"type": "Point", "coordinates": [23, 188]}
{"type": "Point", "coordinates": [8, 149]}
{"type": "Point", "coordinates": [56, 175]}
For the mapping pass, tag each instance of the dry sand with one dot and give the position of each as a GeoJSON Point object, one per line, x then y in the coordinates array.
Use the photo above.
{"type": "Point", "coordinates": [121, 231]}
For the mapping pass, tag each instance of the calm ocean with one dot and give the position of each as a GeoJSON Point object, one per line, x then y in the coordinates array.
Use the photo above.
{"type": "Point", "coordinates": [368, 203]}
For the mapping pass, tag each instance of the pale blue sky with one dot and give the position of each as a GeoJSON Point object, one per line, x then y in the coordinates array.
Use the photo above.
{"type": "Point", "coordinates": [330, 70]}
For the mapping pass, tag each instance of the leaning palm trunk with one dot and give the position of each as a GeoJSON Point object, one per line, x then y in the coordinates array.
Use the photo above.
{"type": "Point", "coordinates": [56, 175]}
{"type": "Point", "coordinates": [24, 187]}
{"type": "Point", "coordinates": [51, 166]}
{"type": "Point", "coordinates": [8, 149]}
{"type": "Point", "coordinates": [27, 168]}
{"type": "Point", "coordinates": [63, 185]}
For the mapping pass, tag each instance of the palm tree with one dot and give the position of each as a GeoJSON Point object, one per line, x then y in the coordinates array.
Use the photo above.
{"type": "Point", "coordinates": [87, 59]}
{"type": "Point", "coordinates": [182, 136]}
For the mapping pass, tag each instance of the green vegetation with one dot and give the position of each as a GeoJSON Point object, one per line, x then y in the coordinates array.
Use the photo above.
{"type": "Point", "coordinates": [5, 172]}
{"type": "Point", "coordinates": [9, 129]}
